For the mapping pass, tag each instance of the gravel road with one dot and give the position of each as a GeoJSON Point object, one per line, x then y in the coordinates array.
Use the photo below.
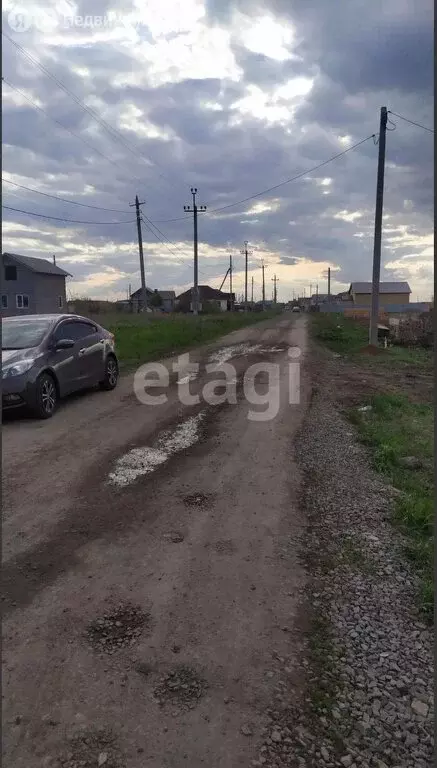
{"type": "Point", "coordinates": [151, 572]}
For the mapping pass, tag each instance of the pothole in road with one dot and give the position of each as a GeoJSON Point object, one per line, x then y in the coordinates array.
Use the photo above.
{"type": "Point", "coordinates": [174, 536]}
{"type": "Point", "coordinates": [118, 629]}
{"type": "Point", "coordinates": [196, 500]}
{"type": "Point", "coordinates": [226, 547]}
{"type": "Point", "coordinates": [182, 686]}
{"type": "Point", "coordinates": [92, 749]}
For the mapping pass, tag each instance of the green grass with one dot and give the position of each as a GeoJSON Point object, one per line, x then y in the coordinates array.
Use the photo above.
{"type": "Point", "coordinates": [396, 428]}
{"type": "Point", "coordinates": [341, 334]}
{"type": "Point", "coordinates": [141, 338]}
{"type": "Point", "coordinates": [347, 336]}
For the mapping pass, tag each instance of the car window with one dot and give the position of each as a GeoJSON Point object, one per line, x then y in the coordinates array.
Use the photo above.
{"type": "Point", "coordinates": [23, 333]}
{"type": "Point", "coordinates": [74, 329]}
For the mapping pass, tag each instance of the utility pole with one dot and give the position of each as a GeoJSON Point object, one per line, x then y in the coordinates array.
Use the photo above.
{"type": "Point", "coordinates": [230, 282]}
{"type": "Point", "coordinates": [264, 287]}
{"type": "Point", "coordinates": [275, 293]}
{"type": "Point", "coordinates": [194, 210]}
{"type": "Point", "coordinates": [373, 329]}
{"type": "Point", "coordinates": [140, 249]}
{"type": "Point", "coordinates": [311, 290]}
{"type": "Point", "coordinates": [246, 254]}
{"type": "Point", "coordinates": [329, 281]}
{"type": "Point", "coordinates": [252, 293]}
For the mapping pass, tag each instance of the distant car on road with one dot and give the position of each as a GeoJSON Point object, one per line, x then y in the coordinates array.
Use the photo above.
{"type": "Point", "coordinates": [46, 357]}
{"type": "Point", "coordinates": [296, 309]}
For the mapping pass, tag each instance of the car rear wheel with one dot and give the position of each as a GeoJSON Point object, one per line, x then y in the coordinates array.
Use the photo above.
{"type": "Point", "coordinates": [46, 397]}
{"type": "Point", "coordinates": [111, 374]}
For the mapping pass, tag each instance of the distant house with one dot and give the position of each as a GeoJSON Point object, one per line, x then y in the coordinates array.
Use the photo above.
{"type": "Point", "coordinates": [389, 293]}
{"type": "Point", "coordinates": [207, 296]}
{"type": "Point", "coordinates": [320, 298]}
{"type": "Point", "coordinates": [167, 298]}
{"type": "Point", "coordinates": [31, 286]}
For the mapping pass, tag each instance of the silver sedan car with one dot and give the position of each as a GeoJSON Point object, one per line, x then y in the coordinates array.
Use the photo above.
{"type": "Point", "coordinates": [46, 357]}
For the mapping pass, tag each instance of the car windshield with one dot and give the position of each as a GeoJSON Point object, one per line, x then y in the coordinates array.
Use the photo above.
{"type": "Point", "coordinates": [23, 333]}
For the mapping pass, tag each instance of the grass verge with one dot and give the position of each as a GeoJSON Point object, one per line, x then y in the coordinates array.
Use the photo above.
{"type": "Point", "coordinates": [341, 334]}
{"type": "Point", "coordinates": [347, 336]}
{"type": "Point", "coordinates": [141, 338]}
{"type": "Point", "coordinates": [395, 429]}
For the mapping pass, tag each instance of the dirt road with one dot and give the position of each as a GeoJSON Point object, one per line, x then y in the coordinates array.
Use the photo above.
{"type": "Point", "coordinates": [151, 571]}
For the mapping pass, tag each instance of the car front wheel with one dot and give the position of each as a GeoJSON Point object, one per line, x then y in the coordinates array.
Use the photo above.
{"type": "Point", "coordinates": [46, 397]}
{"type": "Point", "coordinates": [111, 374]}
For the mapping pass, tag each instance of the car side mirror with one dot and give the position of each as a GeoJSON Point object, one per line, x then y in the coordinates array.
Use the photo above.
{"type": "Point", "coordinates": [64, 344]}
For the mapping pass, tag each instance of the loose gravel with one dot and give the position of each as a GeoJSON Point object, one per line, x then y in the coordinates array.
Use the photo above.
{"type": "Point", "coordinates": [91, 749]}
{"type": "Point", "coordinates": [117, 629]}
{"type": "Point", "coordinates": [367, 696]}
{"type": "Point", "coordinates": [181, 686]}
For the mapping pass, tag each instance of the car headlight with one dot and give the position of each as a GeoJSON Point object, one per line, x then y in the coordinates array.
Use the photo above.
{"type": "Point", "coordinates": [15, 369]}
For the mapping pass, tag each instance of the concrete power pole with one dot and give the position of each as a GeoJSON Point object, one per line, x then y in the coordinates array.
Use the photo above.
{"type": "Point", "coordinates": [264, 287]}
{"type": "Point", "coordinates": [230, 282]}
{"type": "Point", "coordinates": [246, 253]}
{"type": "Point", "coordinates": [329, 281]}
{"type": "Point", "coordinates": [194, 210]}
{"type": "Point", "coordinates": [275, 292]}
{"type": "Point", "coordinates": [140, 249]}
{"type": "Point", "coordinates": [251, 301]}
{"type": "Point", "coordinates": [373, 329]}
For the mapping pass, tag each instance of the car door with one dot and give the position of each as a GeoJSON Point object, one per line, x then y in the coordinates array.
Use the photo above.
{"type": "Point", "coordinates": [65, 362]}
{"type": "Point", "coordinates": [91, 352]}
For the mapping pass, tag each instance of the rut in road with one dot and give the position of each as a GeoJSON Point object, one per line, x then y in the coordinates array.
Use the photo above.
{"type": "Point", "coordinates": [219, 579]}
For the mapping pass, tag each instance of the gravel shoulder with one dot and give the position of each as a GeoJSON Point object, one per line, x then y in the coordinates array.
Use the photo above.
{"type": "Point", "coordinates": [368, 683]}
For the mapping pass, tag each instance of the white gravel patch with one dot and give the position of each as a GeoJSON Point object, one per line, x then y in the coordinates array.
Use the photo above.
{"type": "Point", "coordinates": [141, 461]}
{"type": "Point", "coordinates": [227, 353]}
{"type": "Point", "coordinates": [138, 462]}
{"type": "Point", "coordinates": [185, 435]}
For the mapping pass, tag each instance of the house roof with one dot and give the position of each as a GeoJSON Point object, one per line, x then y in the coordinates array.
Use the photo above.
{"type": "Point", "coordinates": [137, 294]}
{"type": "Point", "coordinates": [206, 293]}
{"type": "Point", "coordinates": [163, 294]}
{"type": "Point", "coordinates": [401, 287]}
{"type": "Point", "coordinates": [42, 266]}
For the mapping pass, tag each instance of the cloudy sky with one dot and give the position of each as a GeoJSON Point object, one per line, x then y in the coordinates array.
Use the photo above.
{"type": "Point", "coordinates": [151, 97]}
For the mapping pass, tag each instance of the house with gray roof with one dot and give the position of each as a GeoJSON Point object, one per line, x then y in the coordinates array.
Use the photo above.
{"type": "Point", "coordinates": [31, 286]}
{"type": "Point", "coordinates": [389, 293]}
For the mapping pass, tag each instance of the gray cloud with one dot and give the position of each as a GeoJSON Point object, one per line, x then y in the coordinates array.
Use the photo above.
{"type": "Point", "coordinates": [356, 66]}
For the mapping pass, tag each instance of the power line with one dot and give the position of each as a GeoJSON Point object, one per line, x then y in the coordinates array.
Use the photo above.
{"type": "Point", "coordinates": [62, 199]}
{"type": "Point", "coordinates": [113, 132]}
{"type": "Point", "coordinates": [72, 133]}
{"type": "Point", "coordinates": [160, 236]}
{"type": "Point", "coordinates": [148, 224]}
{"type": "Point", "coordinates": [419, 125]}
{"type": "Point", "coordinates": [283, 183]}
{"type": "Point", "coordinates": [151, 227]}
{"type": "Point", "coordinates": [70, 221]}
{"type": "Point", "coordinates": [294, 178]}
